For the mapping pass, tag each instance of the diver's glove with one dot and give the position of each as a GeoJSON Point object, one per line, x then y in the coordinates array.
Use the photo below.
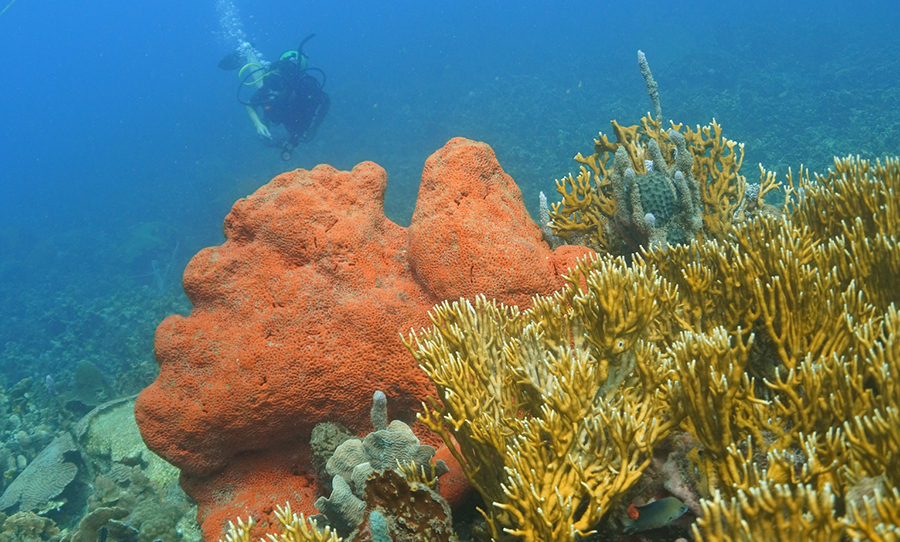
{"type": "Point", "coordinates": [263, 131]}
{"type": "Point", "coordinates": [261, 128]}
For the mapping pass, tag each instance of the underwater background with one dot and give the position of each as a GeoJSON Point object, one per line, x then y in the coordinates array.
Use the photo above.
{"type": "Point", "coordinates": [123, 146]}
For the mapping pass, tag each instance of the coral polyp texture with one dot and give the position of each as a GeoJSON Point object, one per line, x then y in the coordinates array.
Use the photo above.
{"type": "Point", "coordinates": [651, 187]}
{"type": "Point", "coordinates": [762, 360]}
{"type": "Point", "coordinates": [297, 319]}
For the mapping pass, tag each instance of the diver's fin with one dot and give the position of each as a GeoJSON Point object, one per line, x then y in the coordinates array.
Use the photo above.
{"type": "Point", "coordinates": [232, 61]}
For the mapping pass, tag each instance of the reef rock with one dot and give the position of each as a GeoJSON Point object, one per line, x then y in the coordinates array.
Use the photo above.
{"type": "Point", "coordinates": [298, 314]}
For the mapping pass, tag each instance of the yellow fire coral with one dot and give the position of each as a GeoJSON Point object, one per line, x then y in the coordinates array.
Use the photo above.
{"type": "Point", "coordinates": [780, 513]}
{"type": "Point", "coordinates": [557, 409]}
{"type": "Point", "coordinates": [295, 528]}
{"type": "Point", "coordinates": [770, 347]}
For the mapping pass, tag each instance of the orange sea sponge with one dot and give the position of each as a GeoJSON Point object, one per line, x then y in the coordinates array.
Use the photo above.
{"type": "Point", "coordinates": [297, 319]}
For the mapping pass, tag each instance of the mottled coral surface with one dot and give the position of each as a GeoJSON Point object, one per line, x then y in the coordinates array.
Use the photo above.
{"type": "Point", "coordinates": [297, 318]}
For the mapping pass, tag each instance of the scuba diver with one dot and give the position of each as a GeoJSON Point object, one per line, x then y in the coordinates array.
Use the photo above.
{"type": "Point", "coordinates": [287, 93]}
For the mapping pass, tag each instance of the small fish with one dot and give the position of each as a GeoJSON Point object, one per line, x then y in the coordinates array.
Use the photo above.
{"type": "Point", "coordinates": [654, 515]}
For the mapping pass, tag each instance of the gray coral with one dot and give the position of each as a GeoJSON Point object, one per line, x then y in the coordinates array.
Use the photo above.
{"type": "Point", "coordinates": [44, 478]}
{"type": "Point", "coordinates": [658, 207]}
{"type": "Point", "coordinates": [356, 459]}
{"type": "Point", "coordinates": [343, 510]}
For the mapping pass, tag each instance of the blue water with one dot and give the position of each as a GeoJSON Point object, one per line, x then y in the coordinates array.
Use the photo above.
{"type": "Point", "coordinates": [122, 145]}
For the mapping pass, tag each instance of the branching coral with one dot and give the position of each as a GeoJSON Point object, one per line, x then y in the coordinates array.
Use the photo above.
{"type": "Point", "coordinates": [771, 350]}
{"type": "Point", "coordinates": [855, 206]}
{"type": "Point", "coordinates": [767, 345]}
{"type": "Point", "coordinates": [652, 187]}
{"type": "Point", "coordinates": [716, 400]}
{"type": "Point", "coordinates": [831, 422]}
{"type": "Point", "coordinates": [295, 528]}
{"type": "Point", "coordinates": [512, 385]}
{"type": "Point", "coordinates": [772, 512]}
{"type": "Point", "coordinates": [239, 532]}
{"type": "Point", "coordinates": [876, 518]}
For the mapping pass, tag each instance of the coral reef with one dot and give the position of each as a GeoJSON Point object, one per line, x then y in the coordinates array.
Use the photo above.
{"type": "Point", "coordinates": [391, 446]}
{"type": "Point", "coordinates": [99, 480]}
{"type": "Point", "coordinates": [397, 507]}
{"type": "Point", "coordinates": [454, 486]}
{"type": "Point", "coordinates": [662, 204]}
{"type": "Point", "coordinates": [83, 347]}
{"type": "Point", "coordinates": [100, 522]}
{"type": "Point", "coordinates": [652, 186]}
{"type": "Point", "coordinates": [297, 317]}
{"type": "Point", "coordinates": [768, 351]}
{"type": "Point", "coordinates": [404, 510]}
{"type": "Point", "coordinates": [89, 388]}
{"type": "Point", "coordinates": [548, 457]}
{"type": "Point", "coordinates": [384, 489]}
{"type": "Point", "coordinates": [30, 417]}
{"type": "Point", "coordinates": [295, 528]}
{"type": "Point", "coordinates": [27, 527]}
{"type": "Point", "coordinates": [100, 317]}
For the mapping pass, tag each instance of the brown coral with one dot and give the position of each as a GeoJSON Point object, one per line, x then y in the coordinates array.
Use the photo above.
{"type": "Point", "coordinates": [412, 511]}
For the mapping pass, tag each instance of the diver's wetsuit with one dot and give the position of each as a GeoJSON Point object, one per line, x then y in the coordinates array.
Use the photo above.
{"type": "Point", "coordinates": [293, 98]}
